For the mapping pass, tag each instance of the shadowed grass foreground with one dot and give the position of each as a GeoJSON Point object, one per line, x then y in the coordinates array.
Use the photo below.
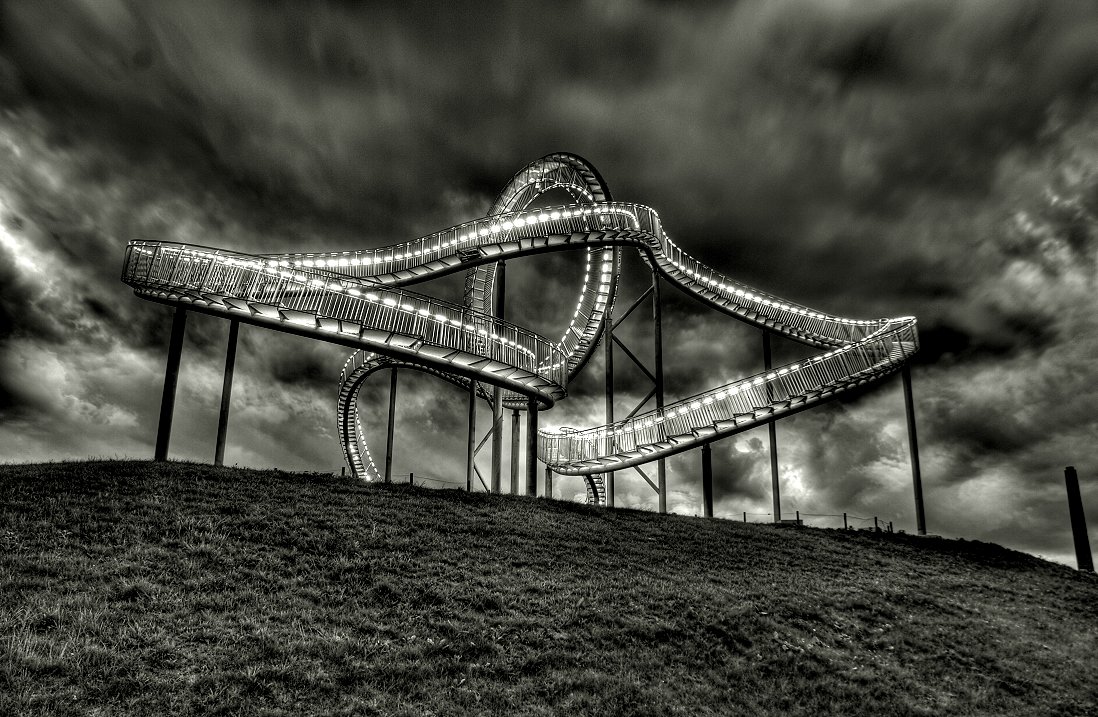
{"type": "Point", "coordinates": [138, 588]}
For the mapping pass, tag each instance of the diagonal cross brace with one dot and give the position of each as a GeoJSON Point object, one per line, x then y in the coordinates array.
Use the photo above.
{"type": "Point", "coordinates": [646, 478]}
{"type": "Point", "coordinates": [635, 360]}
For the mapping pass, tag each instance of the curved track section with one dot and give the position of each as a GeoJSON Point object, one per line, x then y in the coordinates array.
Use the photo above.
{"type": "Point", "coordinates": [355, 298]}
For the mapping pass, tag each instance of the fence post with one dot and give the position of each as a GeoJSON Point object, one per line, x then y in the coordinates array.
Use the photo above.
{"type": "Point", "coordinates": [1083, 556]}
{"type": "Point", "coordinates": [845, 527]}
{"type": "Point", "coordinates": [745, 516]}
{"type": "Point", "coordinates": [875, 527]}
{"type": "Point", "coordinates": [798, 517]}
{"type": "Point", "coordinates": [411, 478]}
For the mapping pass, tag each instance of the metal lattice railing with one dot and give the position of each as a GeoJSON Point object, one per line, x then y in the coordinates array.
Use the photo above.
{"type": "Point", "coordinates": [355, 296]}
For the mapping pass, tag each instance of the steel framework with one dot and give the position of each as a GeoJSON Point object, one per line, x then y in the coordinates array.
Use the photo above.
{"type": "Point", "coordinates": [358, 299]}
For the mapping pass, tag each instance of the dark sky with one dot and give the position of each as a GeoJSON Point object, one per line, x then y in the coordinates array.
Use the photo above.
{"type": "Point", "coordinates": [935, 158]}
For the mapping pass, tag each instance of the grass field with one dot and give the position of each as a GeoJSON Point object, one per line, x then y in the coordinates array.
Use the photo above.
{"type": "Point", "coordinates": [132, 588]}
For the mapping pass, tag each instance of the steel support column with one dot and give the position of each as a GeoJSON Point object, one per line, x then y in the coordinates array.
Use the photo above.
{"type": "Point", "coordinates": [608, 343]}
{"type": "Point", "coordinates": [657, 334]}
{"type": "Point", "coordinates": [913, 445]}
{"type": "Point", "coordinates": [469, 465]}
{"type": "Point", "coordinates": [532, 447]}
{"type": "Point", "coordinates": [516, 432]}
{"type": "Point", "coordinates": [226, 394]}
{"type": "Point", "coordinates": [707, 480]}
{"type": "Point", "coordinates": [772, 429]}
{"type": "Point", "coordinates": [499, 298]}
{"type": "Point", "coordinates": [1083, 557]}
{"type": "Point", "coordinates": [171, 378]}
{"type": "Point", "coordinates": [392, 426]}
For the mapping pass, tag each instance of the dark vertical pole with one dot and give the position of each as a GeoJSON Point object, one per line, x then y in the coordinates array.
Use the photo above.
{"type": "Point", "coordinates": [773, 430]}
{"type": "Point", "coordinates": [913, 445]}
{"type": "Point", "coordinates": [226, 394]}
{"type": "Point", "coordinates": [499, 297]}
{"type": "Point", "coordinates": [472, 435]}
{"type": "Point", "coordinates": [411, 478]}
{"type": "Point", "coordinates": [707, 480]}
{"type": "Point", "coordinates": [532, 447]}
{"type": "Point", "coordinates": [392, 426]}
{"type": "Point", "coordinates": [657, 339]}
{"type": "Point", "coordinates": [1083, 556]}
{"type": "Point", "coordinates": [516, 432]}
{"type": "Point", "coordinates": [745, 516]}
{"type": "Point", "coordinates": [798, 518]}
{"type": "Point", "coordinates": [845, 526]}
{"type": "Point", "coordinates": [171, 378]}
{"type": "Point", "coordinates": [608, 343]}
{"type": "Point", "coordinates": [548, 482]}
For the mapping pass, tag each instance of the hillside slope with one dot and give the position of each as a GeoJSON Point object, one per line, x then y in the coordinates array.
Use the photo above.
{"type": "Point", "coordinates": [138, 588]}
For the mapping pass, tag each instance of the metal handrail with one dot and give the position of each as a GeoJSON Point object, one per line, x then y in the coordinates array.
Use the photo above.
{"type": "Point", "coordinates": [353, 293]}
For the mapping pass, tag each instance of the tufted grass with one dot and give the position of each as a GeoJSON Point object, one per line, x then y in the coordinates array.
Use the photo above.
{"type": "Point", "coordinates": [134, 588]}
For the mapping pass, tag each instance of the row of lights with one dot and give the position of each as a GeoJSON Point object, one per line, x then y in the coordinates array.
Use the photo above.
{"type": "Point", "coordinates": [480, 229]}
{"type": "Point", "coordinates": [696, 404]}
{"type": "Point", "coordinates": [388, 301]}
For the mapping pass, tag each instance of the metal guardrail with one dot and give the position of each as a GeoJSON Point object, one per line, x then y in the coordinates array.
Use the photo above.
{"type": "Point", "coordinates": [354, 295]}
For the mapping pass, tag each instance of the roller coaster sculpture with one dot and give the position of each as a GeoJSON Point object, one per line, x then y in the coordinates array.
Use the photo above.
{"type": "Point", "coordinates": [356, 298]}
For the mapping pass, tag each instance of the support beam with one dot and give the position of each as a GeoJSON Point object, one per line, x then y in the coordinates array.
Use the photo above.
{"type": "Point", "coordinates": [913, 445]}
{"type": "Point", "coordinates": [548, 482]}
{"type": "Point", "coordinates": [633, 357]}
{"type": "Point", "coordinates": [636, 302]}
{"type": "Point", "coordinates": [608, 350]}
{"type": "Point", "coordinates": [497, 439]}
{"type": "Point", "coordinates": [171, 378]}
{"type": "Point", "coordinates": [647, 480]}
{"type": "Point", "coordinates": [657, 333]}
{"type": "Point", "coordinates": [1083, 557]}
{"type": "Point", "coordinates": [499, 298]}
{"type": "Point", "coordinates": [516, 432]}
{"type": "Point", "coordinates": [772, 429]}
{"type": "Point", "coordinates": [392, 426]}
{"type": "Point", "coordinates": [470, 464]}
{"type": "Point", "coordinates": [707, 480]}
{"type": "Point", "coordinates": [226, 394]}
{"type": "Point", "coordinates": [532, 447]}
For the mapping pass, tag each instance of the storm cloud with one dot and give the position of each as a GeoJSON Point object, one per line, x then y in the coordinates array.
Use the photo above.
{"type": "Point", "coordinates": [914, 157]}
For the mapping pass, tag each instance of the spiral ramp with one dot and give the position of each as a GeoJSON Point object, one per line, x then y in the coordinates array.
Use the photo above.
{"type": "Point", "coordinates": [358, 299]}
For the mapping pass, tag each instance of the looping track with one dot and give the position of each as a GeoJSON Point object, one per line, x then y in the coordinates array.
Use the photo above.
{"type": "Point", "coordinates": [357, 299]}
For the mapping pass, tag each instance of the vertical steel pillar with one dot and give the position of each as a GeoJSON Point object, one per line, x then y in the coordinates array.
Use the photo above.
{"type": "Point", "coordinates": [913, 445]}
{"type": "Point", "coordinates": [516, 431]}
{"type": "Point", "coordinates": [773, 430]}
{"type": "Point", "coordinates": [171, 378]}
{"type": "Point", "coordinates": [548, 482]}
{"type": "Point", "coordinates": [657, 334]}
{"type": "Point", "coordinates": [608, 343]}
{"type": "Point", "coordinates": [707, 480]}
{"type": "Point", "coordinates": [472, 436]}
{"type": "Point", "coordinates": [532, 447]}
{"type": "Point", "coordinates": [1083, 557]}
{"type": "Point", "coordinates": [226, 394]}
{"type": "Point", "coordinates": [392, 426]}
{"type": "Point", "coordinates": [499, 297]}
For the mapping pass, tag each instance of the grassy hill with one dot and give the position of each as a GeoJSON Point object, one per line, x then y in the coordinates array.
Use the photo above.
{"type": "Point", "coordinates": [138, 588]}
